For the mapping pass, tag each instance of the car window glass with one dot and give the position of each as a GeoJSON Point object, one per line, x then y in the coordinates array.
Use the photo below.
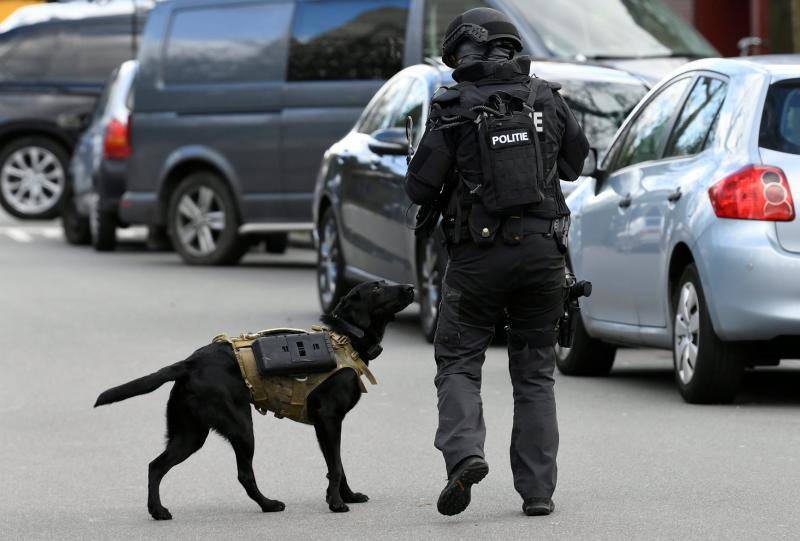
{"type": "Point", "coordinates": [780, 121]}
{"type": "Point", "coordinates": [347, 40]}
{"type": "Point", "coordinates": [438, 14]}
{"type": "Point", "coordinates": [413, 106]}
{"type": "Point", "coordinates": [382, 112]}
{"type": "Point", "coordinates": [646, 134]}
{"type": "Point", "coordinates": [600, 107]}
{"type": "Point", "coordinates": [26, 53]}
{"type": "Point", "coordinates": [88, 51]}
{"type": "Point", "coordinates": [693, 129]}
{"type": "Point", "coordinates": [226, 44]}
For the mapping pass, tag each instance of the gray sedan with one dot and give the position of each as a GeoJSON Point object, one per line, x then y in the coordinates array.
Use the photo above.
{"type": "Point", "coordinates": [689, 231]}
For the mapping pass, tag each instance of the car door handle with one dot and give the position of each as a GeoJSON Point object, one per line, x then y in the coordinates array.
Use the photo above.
{"type": "Point", "coordinates": [674, 196]}
{"type": "Point", "coordinates": [625, 202]}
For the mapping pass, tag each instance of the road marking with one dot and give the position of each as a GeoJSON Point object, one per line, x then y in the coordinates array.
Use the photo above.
{"type": "Point", "coordinates": [18, 234]}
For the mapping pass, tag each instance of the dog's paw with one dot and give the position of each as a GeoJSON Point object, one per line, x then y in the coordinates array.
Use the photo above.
{"type": "Point", "coordinates": [338, 507]}
{"type": "Point", "coordinates": [272, 506]}
{"type": "Point", "coordinates": [160, 513]}
{"type": "Point", "coordinates": [355, 497]}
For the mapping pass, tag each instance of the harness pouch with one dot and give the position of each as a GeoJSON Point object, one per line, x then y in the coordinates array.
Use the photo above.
{"type": "Point", "coordinates": [512, 161]}
{"type": "Point", "coordinates": [482, 224]}
{"type": "Point", "coordinates": [294, 354]}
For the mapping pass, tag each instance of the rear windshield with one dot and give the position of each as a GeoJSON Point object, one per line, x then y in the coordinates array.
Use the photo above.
{"type": "Point", "coordinates": [780, 122]}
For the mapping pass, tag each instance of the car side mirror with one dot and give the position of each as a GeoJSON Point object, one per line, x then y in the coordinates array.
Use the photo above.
{"type": "Point", "coordinates": [389, 141]}
{"type": "Point", "coordinates": [590, 165]}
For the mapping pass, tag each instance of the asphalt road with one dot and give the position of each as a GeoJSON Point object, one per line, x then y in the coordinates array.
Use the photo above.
{"type": "Point", "coordinates": [635, 461]}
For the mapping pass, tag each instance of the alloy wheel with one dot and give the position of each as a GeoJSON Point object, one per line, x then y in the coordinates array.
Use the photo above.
{"type": "Point", "coordinates": [328, 266]}
{"type": "Point", "coordinates": [430, 285]}
{"type": "Point", "coordinates": [32, 180]}
{"type": "Point", "coordinates": [687, 332]}
{"type": "Point", "coordinates": [200, 220]}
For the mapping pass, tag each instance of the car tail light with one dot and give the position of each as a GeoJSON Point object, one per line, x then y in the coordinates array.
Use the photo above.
{"type": "Point", "coordinates": [756, 192]}
{"type": "Point", "coordinates": [118, 140]}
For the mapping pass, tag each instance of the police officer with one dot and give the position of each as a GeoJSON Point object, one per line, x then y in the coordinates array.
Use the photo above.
{"type": "Point", "coordinates": [494, 149]}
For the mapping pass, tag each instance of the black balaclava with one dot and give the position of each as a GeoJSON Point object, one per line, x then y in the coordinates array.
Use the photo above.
{"type": "Point", "coordinates": [499, 50]}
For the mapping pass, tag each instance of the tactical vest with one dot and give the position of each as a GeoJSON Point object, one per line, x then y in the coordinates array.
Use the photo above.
{"type": "Point", "coordinates": [287, 396]}
{"type": "Point", "coordinates": [508, 159]}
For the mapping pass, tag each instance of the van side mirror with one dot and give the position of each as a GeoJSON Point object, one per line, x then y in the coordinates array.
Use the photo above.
{"type": "Point", "coordinates": [590, 165]}
{"type": "Point", "coordinates": [389, 141]}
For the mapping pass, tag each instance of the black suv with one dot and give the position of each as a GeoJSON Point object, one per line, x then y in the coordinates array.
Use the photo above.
{"type": "Point", "coordinates": [51, 73]}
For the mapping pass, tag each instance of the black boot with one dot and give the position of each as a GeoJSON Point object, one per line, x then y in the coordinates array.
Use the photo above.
{"type": "Point", "coordinates": [456, 494]}
{"type": "Point", "coordinates": [536, 507]}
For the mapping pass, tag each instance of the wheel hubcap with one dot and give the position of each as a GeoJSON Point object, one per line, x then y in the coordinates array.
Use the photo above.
{"type": "Point", "coordinates": [327, 269]}
{"type": "Point", "coordinates": [32, 180]}
{"type": "Point", "coordinates": [430, 280]}
{"type": "Point", "coordinates": [687, 332]}
{"type": "Point", "coordinates": [200, 220]}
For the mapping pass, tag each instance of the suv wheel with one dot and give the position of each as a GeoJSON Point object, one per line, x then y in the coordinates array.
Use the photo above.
{"type": "Point", "coordinates": [33, 178]}
{"type": "Point", "coordinates": [104, 229]}
{"type": "Point", "coordinates": [203, 223]}
{"type": "Point", "coordinates": [587, 356]}
{"type": "Point", "coordinates": [331, 283]}
{"type": "Point", "coordinates": [75, 226]}
{"type": "Point", "coordinates": [706, 368]}
{"type": "Point", "coordinates": [431, 264]}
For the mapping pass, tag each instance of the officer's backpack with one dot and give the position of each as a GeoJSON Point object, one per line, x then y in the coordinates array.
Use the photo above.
{"type": "Point", "coordinates": [511, 142]}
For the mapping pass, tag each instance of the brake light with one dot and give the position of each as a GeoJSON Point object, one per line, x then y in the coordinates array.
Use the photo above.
{"type": "Point", "coordinates": [118, 141]}
{"type": "Point", "coordinates": [756, 192]}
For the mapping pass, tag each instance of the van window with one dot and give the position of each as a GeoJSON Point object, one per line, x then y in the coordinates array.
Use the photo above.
{"type": "Point", "coordinates": [438, 14]}
{"type": "Point", "coordinates": [25, 53]}
{"type": "Point", "coordinates": [695, 126]}
{"type": "Point", "coordinates": [347, 40]}
{"type": "Point", "coordinates": [226, 44]}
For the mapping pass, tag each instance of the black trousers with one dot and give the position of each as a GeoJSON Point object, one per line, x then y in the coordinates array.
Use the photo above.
{"type": "Point", "coordinates": [527, 281]}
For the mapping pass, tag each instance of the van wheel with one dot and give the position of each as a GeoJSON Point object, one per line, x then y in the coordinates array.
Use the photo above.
{"type": "Point", "coordinates": [203, 222]}
{"type": "Point", "coordinates": [75, 226]}
{"type": "Point", "coordinates": [277, 243]}
{"type": "Point", "coordinates": [587, 356]}
{"type": "Point", "coordinates": [104, 229]}
{"type": "Point", "coordinates": [707, 370]}
{"type": "Point", "coordinates": [33, 179]}
{"type": "Point", "coordinates": [431, 264]}
{"type": "Point", "coordinates": [331, 283]}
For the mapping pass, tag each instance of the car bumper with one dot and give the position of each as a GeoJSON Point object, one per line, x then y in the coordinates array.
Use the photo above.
{"type": "Point", "coordinates": [139, 208]}
{"type": "Point", "coordinates": [109, 184]}
{"type": "Point", "coordinates": [751, 284]}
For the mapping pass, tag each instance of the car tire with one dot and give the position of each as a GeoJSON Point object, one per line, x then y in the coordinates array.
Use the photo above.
{"type": "Point", "coordinates": [587, 357]}
{"type": "Point", "coordinates": [203, 222]}
{"type": "Point", "coordinates": [276, 243]}
{"type": "Point", "coordinates": [707, 370]}
{"type": "Point", "coordinates": [75, 226]}
{"type": "Point", "coordinates": [331, 282]}
{"type": "Point", "coordinates": [33, 165]}
{"type": "Point", "coordinates": [104, 229]}
{"type": "Point", "coordinates": [431, 264]}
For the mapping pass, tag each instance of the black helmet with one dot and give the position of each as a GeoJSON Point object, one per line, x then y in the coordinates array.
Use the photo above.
{"type": "Point", "coordinates": [480, 25]}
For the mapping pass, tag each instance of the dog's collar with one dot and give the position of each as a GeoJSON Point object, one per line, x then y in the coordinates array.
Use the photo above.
{"type": "Point", "coordinates": [359, 334]}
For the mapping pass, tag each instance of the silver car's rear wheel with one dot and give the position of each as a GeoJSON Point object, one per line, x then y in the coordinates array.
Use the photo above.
{"type": "Point", "coordinates": [707, 369]}
{"type": "Point", "coordinates": [687, 332]}
{"type": "Point", "coordinates": [32, 178]}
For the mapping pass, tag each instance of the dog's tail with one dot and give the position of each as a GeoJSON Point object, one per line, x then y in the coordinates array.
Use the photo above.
{"type": "Point", "coordinates": [143, 385]}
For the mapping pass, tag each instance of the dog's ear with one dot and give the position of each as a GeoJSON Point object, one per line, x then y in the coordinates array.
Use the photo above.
{"type": "Point", "coordinates": [353, 309]}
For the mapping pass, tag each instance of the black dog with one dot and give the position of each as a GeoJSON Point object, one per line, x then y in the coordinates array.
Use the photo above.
{"type": "Point", "coordinates": [209, 393]}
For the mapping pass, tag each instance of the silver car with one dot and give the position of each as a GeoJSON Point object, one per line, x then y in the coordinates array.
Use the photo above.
{"type": "Point", "coordinates": [688, 230]}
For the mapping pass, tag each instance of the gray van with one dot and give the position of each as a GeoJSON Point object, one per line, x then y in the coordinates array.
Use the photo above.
{"type": "Point", "coordinates": [236, 101]}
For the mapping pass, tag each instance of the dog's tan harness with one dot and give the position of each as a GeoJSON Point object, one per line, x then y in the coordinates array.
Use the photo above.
{"type": "Point", "coordinates": [287, 396]}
